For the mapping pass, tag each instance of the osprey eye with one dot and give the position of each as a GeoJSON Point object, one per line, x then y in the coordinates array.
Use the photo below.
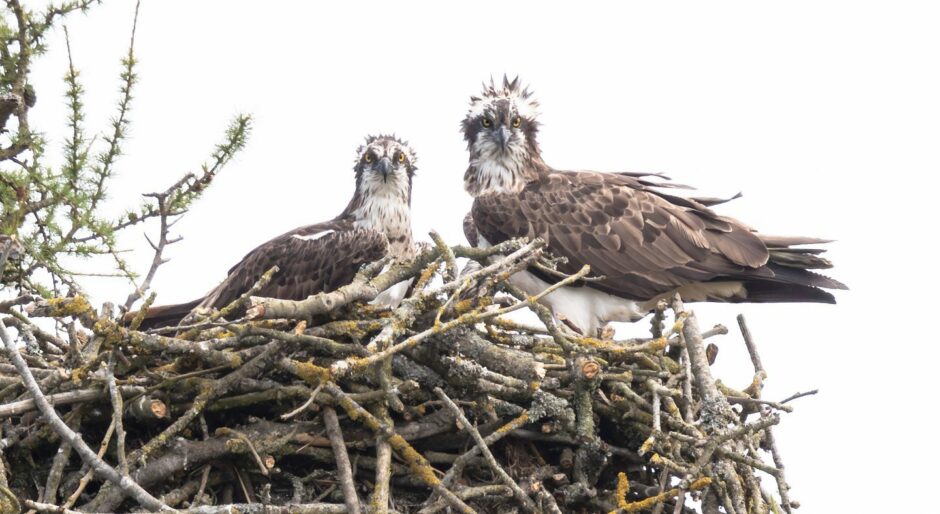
{"type": "Point", "coordinates": [401, 157]}
{"type": "Point", "coordinates": [368, 158]}
{"type": "Point", "coordinates": [487, 123]}
{"type": "Point", "coordinates": [516, 122]}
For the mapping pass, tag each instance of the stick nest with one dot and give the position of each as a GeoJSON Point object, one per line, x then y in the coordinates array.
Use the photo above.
{"type": "Point", "coordinates": [331, 404]}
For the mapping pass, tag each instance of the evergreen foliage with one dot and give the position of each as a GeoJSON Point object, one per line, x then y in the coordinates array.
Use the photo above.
{"type": "Point", "coordinates": [54, 211]}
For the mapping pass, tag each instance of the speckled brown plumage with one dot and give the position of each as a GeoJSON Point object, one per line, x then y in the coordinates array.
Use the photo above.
{"type": "Point", "coordinates": [645, 242]}
{"type": "Point", "coordinates": [325, 256]}
{"type": "Point", "coordinates": [306, 267]}
{"type": "Point", "coordinates": [641, 239]}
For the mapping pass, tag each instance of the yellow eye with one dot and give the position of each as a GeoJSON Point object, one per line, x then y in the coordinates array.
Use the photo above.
{"type": "Point", "coordinates": [368, 158]}
{"type": "Point", "coordinates": [401, 157]}
{"type": "Point", "coordinates": [516, 122]}
{"type": "Point", "coordinates": [487, 123]}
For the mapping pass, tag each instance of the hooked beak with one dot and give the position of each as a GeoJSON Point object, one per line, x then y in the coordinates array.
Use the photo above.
{"type": "Point", "coordinates": [384, 166]}
{"type": "Point", "coordinates": [502, 135]}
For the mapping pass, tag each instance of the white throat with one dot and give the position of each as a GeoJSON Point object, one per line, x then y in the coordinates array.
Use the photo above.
{"type": "Point", "coordinates": [497, 176]}
{"type": "Point", "coordinates": [495, 171]}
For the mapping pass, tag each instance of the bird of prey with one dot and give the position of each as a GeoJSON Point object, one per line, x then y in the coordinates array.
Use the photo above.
{"type": "Point", "coordinates": [642, 242]}
{"type": "Point", "coordinates": [325, 256]}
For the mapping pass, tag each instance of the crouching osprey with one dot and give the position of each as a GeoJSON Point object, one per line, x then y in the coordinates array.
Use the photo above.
{"type": "Point", "coordinates": [642, 243]}
{"type": "Point", "coordinates": [324, 256]}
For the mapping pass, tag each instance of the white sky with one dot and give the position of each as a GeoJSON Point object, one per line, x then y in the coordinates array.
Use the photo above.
{"type": "Point", "coordinates": [825, 114]}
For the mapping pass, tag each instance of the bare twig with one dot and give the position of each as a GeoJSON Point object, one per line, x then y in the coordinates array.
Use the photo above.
{"type": "Point", "coordinates": [795, 396]}
{"type": "Point", "coordinates": [504, 477]}
{"type": "Point", "coordinates": [117, 406]}
{"type": "Point", "coordinates": [350, 497]}
{"type": "Point", "coordinates": [162, 242]}
{"type": "Point", "coordinates": [418, 463]}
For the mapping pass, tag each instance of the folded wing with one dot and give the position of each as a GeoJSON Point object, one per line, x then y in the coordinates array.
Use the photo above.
{"type": "Point", "coordinates": [310, 259]}
{"type": "Point", "coordinates": [645, 243]}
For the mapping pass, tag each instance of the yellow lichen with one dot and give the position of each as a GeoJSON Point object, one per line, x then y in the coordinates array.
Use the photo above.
{"type": "Point", "coordinates": [426, 275]}
{"type": "Point", "coordinates": [418, 464]}
{"type": "Point", "coordinates": [463, 306]}
{"type": "Point", "coordinates": [672, 408]}
{"type": "Point", "coordinates": [623, 487]}
{"type": "Point", "coordinates": [350, 407]}
{"type": "Point", "coordinates": [74, 306]}
{"type": "Point", "coordinates": [310, 372]}
{"type": "Point", "coordinates": [659, 344]}
{"type": "Point", "coordinates": [9, 502]}
{"type": "Point", "coordinates": [172, 367]}
{"type": "Point", "coordinates": [599, 344]}
{"type": "Point", "coordinates": [353, 328]}
{"type": "Point", "coordinates": [550, 355]}
{"type": "Point", "coordinates": [728, 391]}
{"type": "Point", "coordinates": [111, 332]}
{"type": "Point", "coordinates": [516, 422]}
{"type": "Point", "coordinates": [671, 365]}
{"type": "Point", "coordinates": [265, 323]}
{"type": "Point", "coordinates": [614, 348]}
{"type": "Point", "coordinates": [78, 375]}
{"type": "Point", "coordinates": [356, 363]}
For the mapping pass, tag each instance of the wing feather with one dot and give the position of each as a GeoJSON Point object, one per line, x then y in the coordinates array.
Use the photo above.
{"type": "Point", "coordinates": [642, 242]}
{"type": "Point", "coordinates": [311, 259]}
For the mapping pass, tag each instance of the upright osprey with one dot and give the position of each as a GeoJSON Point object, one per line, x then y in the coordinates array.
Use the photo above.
{"type": "Point", "coordinates": [642, 244]}
{"type": "Point", "coordinates": [325, 256]}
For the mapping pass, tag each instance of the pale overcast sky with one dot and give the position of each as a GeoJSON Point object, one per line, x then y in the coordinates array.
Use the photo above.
{"type": "Point", "coordinates": [826, 115]}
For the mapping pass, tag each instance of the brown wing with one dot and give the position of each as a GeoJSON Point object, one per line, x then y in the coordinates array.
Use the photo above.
{"type": "Point", "coordinates": [311, 259]}
{"type": "Point", "coordinates": [643, 242]}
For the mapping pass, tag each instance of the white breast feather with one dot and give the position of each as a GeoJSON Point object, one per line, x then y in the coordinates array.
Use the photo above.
{"type": "Point", "coordinates": [584, 307]}
{"type": "Point", "coordinates": [391, 298]}
{"type": "Point", "coordinates": [385, 209]}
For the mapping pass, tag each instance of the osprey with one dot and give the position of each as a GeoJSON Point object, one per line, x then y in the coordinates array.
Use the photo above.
{"type": "Point", "coordinates": [324, 256]}
{"type": "Point", "coordinates": [642, 243]}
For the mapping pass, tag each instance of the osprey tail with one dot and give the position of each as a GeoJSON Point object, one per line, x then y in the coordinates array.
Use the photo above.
{"type": "Point", "coordinates": [793, 281]}
{"type": "Point", "coordinates": [164, 315]}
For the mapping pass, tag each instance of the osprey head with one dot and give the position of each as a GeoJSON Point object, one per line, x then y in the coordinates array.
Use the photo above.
{"type": "Point", "coordinates": [500, 130]}
{"type": "Point", "coordinates": [501, 123]}
{"type": "Point", "coordinates": [385, 165]}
